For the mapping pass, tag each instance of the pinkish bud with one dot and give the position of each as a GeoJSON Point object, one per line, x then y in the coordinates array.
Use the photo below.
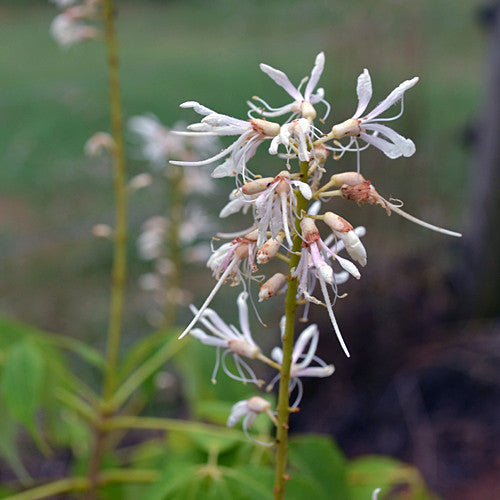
{"type": "Point", "coordinates": [257, 186]}
{"type": "Point", "coordinates": [272, 286]}
{"type": "Point", "coordinates": [269, 249]}
{"type": "Point", "coordinates": [349, 178]}
{"type": "Point", "coordinates": [263, 127]}
{"type": "Point", "coordinates": [310, 232]}
{"type": "Point", "coordinates": [337, 223]}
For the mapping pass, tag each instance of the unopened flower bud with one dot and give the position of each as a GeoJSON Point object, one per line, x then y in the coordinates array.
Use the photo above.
{"type": "Point", "coordinates": [354, 247]}
{"type": "Point", "coordinates": [243, 348]}
{"type": "Point", "coordinates": [102, 231]}
{"type": "Point", "coordinates": [272, 286]}
{"type": "Point", "coordinates": [349, 128]}
{"type": "Point", "coordinates": [310, 232]}
{"type": "Point", "coordinates": [257, 404]}
{"type": "Point", "coordinates": [252, 235]}
{"type": "Point", "coordinates": [256, 186]}
{"type": "Point", "coordinates": [349, 178]}
{"type": "Point", "coordinates": [269, 249]}
{"type": "Point", "coordinates": [140, 181]}
{"type": "Point", "coordinates": [336, 223]}
{"type": "Point", "coordinates": [99, 143]}
{"type": "Point", "coordinates": [263, 127]}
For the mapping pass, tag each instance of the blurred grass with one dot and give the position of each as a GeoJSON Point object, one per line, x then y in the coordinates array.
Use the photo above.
{"type": "Point", "coordinates": [53, 100]}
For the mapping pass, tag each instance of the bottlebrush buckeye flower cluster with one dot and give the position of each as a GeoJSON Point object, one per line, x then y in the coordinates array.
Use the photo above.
{"type": "Point", "coordinates": [292, 220]}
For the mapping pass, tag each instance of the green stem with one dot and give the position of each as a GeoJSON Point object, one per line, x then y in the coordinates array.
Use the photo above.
{"type": "Point", "coordinates": [82, 484]}
{"type": "Point", "coordinates": [119, 272]}
{"type": "Point", "coordinates": [143, 372]}
{"type": "Point", "coordinates": [283, 394]}
{"type": "Point", "coordinates": [52, 489]}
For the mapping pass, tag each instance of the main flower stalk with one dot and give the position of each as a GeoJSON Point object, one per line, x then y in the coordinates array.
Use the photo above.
{"type": "Point", "coordinates": [119, 272]}
{"type": "Point", "coordinates": [288, 342]}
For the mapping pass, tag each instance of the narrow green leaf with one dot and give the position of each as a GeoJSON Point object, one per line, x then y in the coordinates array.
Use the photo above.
{"type": "Point", "coordinates": [21, 381]}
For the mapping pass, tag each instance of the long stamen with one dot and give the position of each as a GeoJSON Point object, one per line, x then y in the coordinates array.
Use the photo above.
{"type": "Point", "coordinates": [332, 317]}
{"type": "Point", "coordinates": [284, 211]}
{"type": "Point", "coordinates": [216, 288]}
{"type": "Point", "coordinates": [411, 218]}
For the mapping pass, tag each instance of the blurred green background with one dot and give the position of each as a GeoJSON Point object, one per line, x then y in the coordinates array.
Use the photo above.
{"type": "Point", "coordinates": [56, 275]}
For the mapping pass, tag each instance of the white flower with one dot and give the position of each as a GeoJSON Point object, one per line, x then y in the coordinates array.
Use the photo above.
{"type": "Point", "coordinates": [158, 143]}
{"type": "Point", "coordinates": [236, 203]}
{"type": "Point", "coordinates": [275, 207]}
{"type": "Point", "coordinates": [100, 142]}
{"type": "Point", "coordinates": [301, 130]}
{"type": "Point", "coordinates": [67, 29]}
{"type": "Point", "coordinates": [225, 264]}
{"type": "Point", "coordinates": [392, 144]}
{"type": "Point", "coordinates": [301, 362]}
{"type": "Point", "coordinates": [196, 223]}
{"type": "Point", "coordinates": [229, 338]}
{"type": "Point", "coordinates": [62, 4]}
{"type": "Point", "coordinates": [312, 265]}
{"type": "Point", "coordinates": [250, 409]}
{"type": "Point", "coordinates": [302, 103]}
{"type": "Point", "coordinates": [252, 133]}
{"type": "Point", "coordinates": [151, 241]}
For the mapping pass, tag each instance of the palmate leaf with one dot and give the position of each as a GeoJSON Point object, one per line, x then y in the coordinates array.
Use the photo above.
{"type": "Point", "coordinates": [317, 461]}
{"type": "Point", "coordinates": [367, 473]}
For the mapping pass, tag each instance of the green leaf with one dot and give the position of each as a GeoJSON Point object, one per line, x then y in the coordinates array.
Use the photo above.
{"type": "Point", "coordinates": [318, 460]}
{"type": "Point", "coordinates": [8, 449]}
{"type": "Point", "coordinates": [177, 477]}
{"type": "Point", "coordinates": [144, 348]}
{"type": "Point", "coordinates": [21, 382]}
{"type": "Point", "coordinates": [12, 331]}
{"type": "Point", "coordinates": [370, 472]}
{"type": "Point", "coordinates": [250, 482]}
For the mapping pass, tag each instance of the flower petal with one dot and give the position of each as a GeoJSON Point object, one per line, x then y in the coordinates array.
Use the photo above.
{"type": "Point", "coordinates": [364, 91]}
{"type": "Point", "coordinates": [392, 98]}
{"type": "Point", "coordinates": [197, 107]}
{"type": "Point", "coordinates": [282, 80]}
{"type": "Point", "coordinates": [405, 146]}
{"type": "Point", "coordinates": [304, 189]}
{"type": "Point", "coordinates": [319, 65]}
{"type": "Point", "coordinates": [388, 148]}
